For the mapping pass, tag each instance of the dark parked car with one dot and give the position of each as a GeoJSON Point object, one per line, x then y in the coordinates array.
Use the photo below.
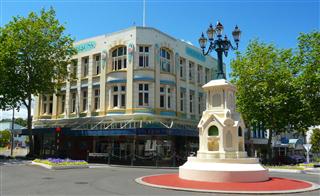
{"type": "Point", "coordinates": [289, 160]}
{"type": "Point", "coordinates": [295, 159]}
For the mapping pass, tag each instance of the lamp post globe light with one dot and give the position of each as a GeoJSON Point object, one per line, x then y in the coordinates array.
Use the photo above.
{"type": "Point", "coordinates": [219, 44]}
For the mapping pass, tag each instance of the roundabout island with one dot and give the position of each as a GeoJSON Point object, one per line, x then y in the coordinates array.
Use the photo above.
{"type": "Point", "coordinates": [221, 164]}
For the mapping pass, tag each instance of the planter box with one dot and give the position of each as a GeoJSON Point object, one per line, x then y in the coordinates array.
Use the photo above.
{"type": "Point", "coordinates": [60, 167]}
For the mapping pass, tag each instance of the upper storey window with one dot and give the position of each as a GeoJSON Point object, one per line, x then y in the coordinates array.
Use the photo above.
{"type": "Point", "coordinates": [143, 56]}
{"type": "Point", "coordinates": [191, 71]}
{"type": "Point", "coordinates": [119, 58]}
{"type": "Point", "coordinates": [85, 66]}
{"type": "Point", "coordinates": [97, 64]}
{"type": "Point", "coordinates": [165, 60]}
{"type": "Point", "coordinates": [47, 104]}
{"type": "Point", "coordinates": [74, 68]}
{"type": "Point", "coordinates": [182, 68]}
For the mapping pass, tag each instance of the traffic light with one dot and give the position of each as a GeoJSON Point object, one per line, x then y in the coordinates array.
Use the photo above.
{"type": "Point", "coordinates": [58, 135]}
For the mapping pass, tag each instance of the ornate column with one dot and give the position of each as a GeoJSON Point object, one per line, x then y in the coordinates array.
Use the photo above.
{"type": "Point", "coordinates": [104, 66]}
{"type": "Point", "coordinates": [90, 93]}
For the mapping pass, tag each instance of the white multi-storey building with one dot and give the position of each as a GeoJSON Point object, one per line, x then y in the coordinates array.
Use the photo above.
{"type": "Point", "coordinates": [135, 79]}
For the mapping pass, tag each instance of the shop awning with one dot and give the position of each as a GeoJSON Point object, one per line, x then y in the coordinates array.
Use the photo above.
{"type": "Point", "coordinates": [117, 132]}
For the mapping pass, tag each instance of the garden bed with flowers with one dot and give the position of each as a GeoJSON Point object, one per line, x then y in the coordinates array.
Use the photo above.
{"type": "Point", "coordinates": [56, 163]}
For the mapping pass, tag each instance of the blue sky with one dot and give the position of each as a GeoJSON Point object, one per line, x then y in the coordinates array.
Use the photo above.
{"type": "Point", "coordinates": [272, 21]}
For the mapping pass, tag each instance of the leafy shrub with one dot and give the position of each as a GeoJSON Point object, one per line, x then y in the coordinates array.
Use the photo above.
{"type": "Point", "coordinates": [60, 162]}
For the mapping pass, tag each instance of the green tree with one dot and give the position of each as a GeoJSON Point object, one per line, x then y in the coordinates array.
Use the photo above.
{"type": "Point", "coordinates": [308, 80]}
{"type": "Point", "coordinates": [21, 122]}
{"type": "Point", "coordinates": [34, 56]}
{"type": "Point", "coordinates": [5, 138]}
{"type": "Point", "coordinates": [263, 76]}
{"type": "Point", "coordinates": [315, 140]}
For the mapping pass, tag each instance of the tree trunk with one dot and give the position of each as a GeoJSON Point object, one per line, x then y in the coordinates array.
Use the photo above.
{"type": "Point", "coordinates": [29, 125]}
{"type": "Point", "coordinates": [269, 148]}
{"type": "Point", "coordinates": [250, 144]}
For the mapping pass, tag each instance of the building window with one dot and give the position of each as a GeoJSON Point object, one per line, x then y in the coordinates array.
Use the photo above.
{"type": "Point", "coordinates": [115, 96]}
{"type": "Point", "coordinates": [85, 65]}
{"type": "Point", "coordinates": [162, 97]}
{"type": "Point", "coordinates": [143, 56]}
{"type": "Point", "coordinates": [143, 94]}
{"type": "Point", "coordinates": [191, 100]}
{"type": "Point", "coordinates": [119, 58]}
{"type": "Point", "coordinates": [200, 104]}
{"type": "Point", "coordinates": [97, 64]}
{"type": "Point", "coordinates": [191, 71]}
{"type": "Point", "coordinates": [199, 74]}
{"type": "Point", "coordinates": [44, 104]}
{"type": "Point", "coordinates": [84, 100]}
{"type": "Point", "coordinates": [207, 75]}
{"type": "Point", "coordinates": [50, 104]}
{"type": "Point", "coordinates": [123, 96]}
{"type": "Point", "coordinates": [182, 68]}
{"type": "Point", "coordinates": [96, 99]}
{"type": "Point", "coordinates": [169, 97]}
{"type": "Point", "coordinates": [119, 96]}
{"type": "Point", "coordinates": [74, 68]}
{"type": "Point", "coordinates": [182, 100]}
{"type": "Point", "coordinates": [166, 97]}
{"type": "Point", "coordinates": [63, 102]}
{"type": "Point", "coordinates": [73, 102]}
{"type": "Point", "coordinates": [165, 60]}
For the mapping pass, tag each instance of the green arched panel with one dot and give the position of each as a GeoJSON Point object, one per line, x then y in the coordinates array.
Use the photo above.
{"type": "Point", "coordinates": [213, 131]}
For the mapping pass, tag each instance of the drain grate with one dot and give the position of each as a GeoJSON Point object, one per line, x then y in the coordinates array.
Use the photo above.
{"type": "Point", "coordinates": [81, 182]}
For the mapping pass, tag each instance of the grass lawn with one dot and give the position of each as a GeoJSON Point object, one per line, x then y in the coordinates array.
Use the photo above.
{"type": "Point", "coordinates": [295, 167]}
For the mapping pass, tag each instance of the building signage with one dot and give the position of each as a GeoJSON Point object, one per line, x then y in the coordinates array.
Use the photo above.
{"type": "Point", "coordinates": [195, 54]}
{"type": "Point", "coordinates": [86, 46]}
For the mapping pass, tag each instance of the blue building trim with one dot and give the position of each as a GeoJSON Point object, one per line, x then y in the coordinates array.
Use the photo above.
{"type": "Point", "coordinates": [168, 82]}
{"type": "Point", "coordinates": [137, 78]}
{"type": "Point", "coordinates": [96, 84]}
{"type": "Point", "coordinates": [195, 54]}
{"type": "Point", "coordinates": [85, 47]}
{"type": "Point", "coordinates": [117, 81]}
{"type": "Point", "coordinates": [164, 113]}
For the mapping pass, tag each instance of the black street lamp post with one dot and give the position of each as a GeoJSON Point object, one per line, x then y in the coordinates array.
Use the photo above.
{"type": "Point", "coordinates": [220, 45]}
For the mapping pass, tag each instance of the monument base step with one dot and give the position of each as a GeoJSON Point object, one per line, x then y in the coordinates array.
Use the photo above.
{"type": "Point", "coordinates": [228, 170]}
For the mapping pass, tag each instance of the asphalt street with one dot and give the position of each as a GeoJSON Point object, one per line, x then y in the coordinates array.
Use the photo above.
{"type": "Point", "coordinates": [19, 178]}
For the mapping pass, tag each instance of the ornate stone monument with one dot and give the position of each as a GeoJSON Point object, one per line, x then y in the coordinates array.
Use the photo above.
{"type": "Point", "coordinates": [221, 156]}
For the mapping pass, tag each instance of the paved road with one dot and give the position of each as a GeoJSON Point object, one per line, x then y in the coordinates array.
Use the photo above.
{"type": "Point", "coordinates": [17, 178]}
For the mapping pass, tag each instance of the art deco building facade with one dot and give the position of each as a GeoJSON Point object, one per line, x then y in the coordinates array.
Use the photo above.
{"type": "Point", "coordinates": [136, 78]}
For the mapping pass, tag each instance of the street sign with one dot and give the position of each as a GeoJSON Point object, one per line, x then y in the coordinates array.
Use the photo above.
{"type": "Point", "coordinates": [307, 147]}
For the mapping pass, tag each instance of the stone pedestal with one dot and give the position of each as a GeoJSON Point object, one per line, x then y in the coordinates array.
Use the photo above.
{"type": "Point", "coordinates": [221, 156]}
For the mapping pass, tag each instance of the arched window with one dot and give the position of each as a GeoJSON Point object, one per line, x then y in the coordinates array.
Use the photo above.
{"type": "Point", "coordinates": [213, 131]}
{"type": "Point", "coordinates": [216, 99]}
{"type": "Point", "coordinates": [165, 60]}
{"type": "Point", "coordinates": [239, 132]}
{"type": "Point", "coordinates": [119, 58]}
